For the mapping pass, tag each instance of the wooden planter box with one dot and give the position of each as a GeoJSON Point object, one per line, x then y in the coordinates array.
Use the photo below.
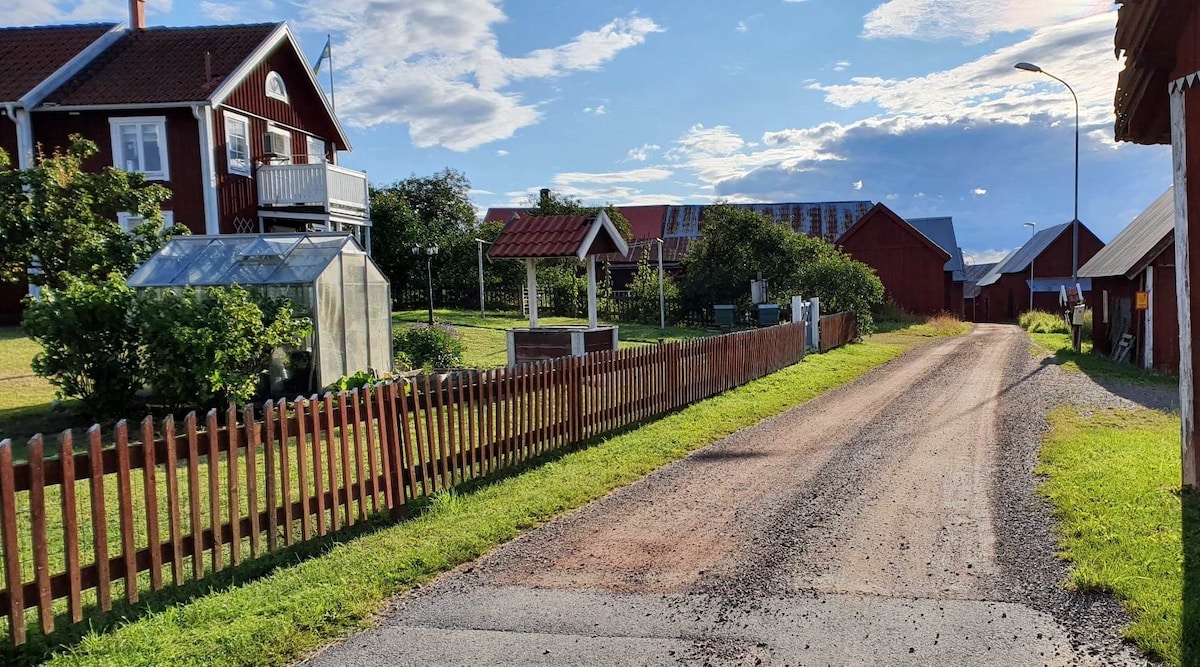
{"type": "Point", "coordinates": [541, 343]}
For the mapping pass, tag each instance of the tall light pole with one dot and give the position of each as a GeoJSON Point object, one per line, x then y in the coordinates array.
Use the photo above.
{"type": "Point", "coordinates": [1032, 232]}
{"type": "Point", "coordinates": [429, 251]}
{"type": "Point", "coordinates": [1030, 67]}
{"type": "Point", "coordinates": [480, 242]}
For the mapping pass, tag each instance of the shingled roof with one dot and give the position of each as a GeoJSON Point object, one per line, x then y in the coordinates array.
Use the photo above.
{"type": "Point", "coordinates": [28, 56]}
{"type": "Point", "coordinates": [558, 236]}
{"type": "Point", "coordinates": [163, 65]}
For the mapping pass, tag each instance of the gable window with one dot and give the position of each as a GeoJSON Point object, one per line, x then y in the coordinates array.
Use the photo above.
{"type": "Point", "coordinates": [275, 88]}
{"type": "Point", "coordinates": [316, 150]}
{"type": "Point", "coordinates": [140, 144]}
{"type": "Point", "coordinates": [129, 221]}
{"type": "Point", "coordinates": [237, 144]}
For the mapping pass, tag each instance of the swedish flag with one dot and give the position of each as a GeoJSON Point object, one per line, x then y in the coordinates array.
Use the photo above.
{"type": "Point", "coordinates": [326, 53]}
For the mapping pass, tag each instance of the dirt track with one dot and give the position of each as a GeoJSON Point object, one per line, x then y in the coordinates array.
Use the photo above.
{"type": "Point", "coordinates": [860, 528]}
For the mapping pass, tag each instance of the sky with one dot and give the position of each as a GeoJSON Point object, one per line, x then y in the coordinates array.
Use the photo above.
{"type": "Point", "coordinates": [913, 103]}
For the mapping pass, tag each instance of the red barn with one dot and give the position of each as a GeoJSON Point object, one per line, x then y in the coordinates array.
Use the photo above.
{"type": "Point", "coordinates": [1140, 259]}
{"type": "Point", "coordinates": [918, 261]}
{"type": "Point", "coordinates": [1041, 267]}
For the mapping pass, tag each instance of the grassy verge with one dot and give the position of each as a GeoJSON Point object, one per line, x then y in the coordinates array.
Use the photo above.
{"type": "Point", "coordinates": [1113, 478]}
{"type": "Point", "coordinates": [1096, 366]}
{"type": "Point", "coordinates": [279, 618]}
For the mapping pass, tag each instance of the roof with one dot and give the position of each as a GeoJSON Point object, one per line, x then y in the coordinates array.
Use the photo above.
{"type": "Point", "coordinates": [971, 275]}
{"type": "Point", "coordinates": [941, 232]}
{"type": "Point", "coordinates": [1138, 244]}
{"type": "Point", "coordinates": [163, 65]}
{"type": "Point", "coordinates": [1148, 34]}
{"type": "Point", "coordinates": [550, 236]}
{"type": "Point", "coordinates": [245, 259]}
{"type": "Point", "coordinates": [883, 210]}
{"type": "Point", "coordinates": [1043, 285]}
{"type": "Point", "coordinates": [827, 220]}
{"type": "Point", "coordinates": [1019, 259]}
{"type": "Point", "coordinates": [30, 55]}
{"type": "Point", "coordinates": [993, 274]}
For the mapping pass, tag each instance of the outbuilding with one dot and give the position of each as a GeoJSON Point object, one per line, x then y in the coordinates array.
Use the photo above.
{"type": "Point", "coordinates": [1133, 281]}
{"type": "Point", "coordinates": [1034, 274]}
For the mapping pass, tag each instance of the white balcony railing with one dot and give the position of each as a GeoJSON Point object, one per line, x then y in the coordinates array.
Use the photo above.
{"type": "Point", "coordinates": [334, 188]}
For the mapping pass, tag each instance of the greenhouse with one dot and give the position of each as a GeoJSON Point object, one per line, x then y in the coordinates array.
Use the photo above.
{"type": "Point", "coordinates": [326, 276]}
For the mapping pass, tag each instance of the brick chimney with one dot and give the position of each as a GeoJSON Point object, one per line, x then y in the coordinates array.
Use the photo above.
{"type": "Point", "coordinates": [137, 14]}
{"type": "Point", "coordinates": [544, 199]}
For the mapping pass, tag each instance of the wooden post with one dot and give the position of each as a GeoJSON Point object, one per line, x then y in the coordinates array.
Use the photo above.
{"type": "Point", "coordinates": [591, 294]}
{"type": "Point", "coordinates": [531, 281]}
{"type": "Point", "coordinates": [1184, 267]}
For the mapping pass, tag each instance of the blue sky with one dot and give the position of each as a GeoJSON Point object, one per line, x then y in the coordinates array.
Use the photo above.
{"type": "Point", "coordinates": [910, 102]}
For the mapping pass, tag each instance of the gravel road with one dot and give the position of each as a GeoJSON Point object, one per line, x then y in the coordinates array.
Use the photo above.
{"type": "Point", "coordinates": [891, 522]}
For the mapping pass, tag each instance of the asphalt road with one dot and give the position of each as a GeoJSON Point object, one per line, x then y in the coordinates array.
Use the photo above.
{"type": "Point", "coordinates": [876, 525]}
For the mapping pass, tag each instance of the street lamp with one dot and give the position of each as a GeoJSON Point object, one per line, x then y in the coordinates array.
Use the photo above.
{"type": "Point", "coordinates": [1030, 67]}
{"type": "Point", "coordinates": [429, 251]}
{"type": "Point", "coordinates": [1032, 232]}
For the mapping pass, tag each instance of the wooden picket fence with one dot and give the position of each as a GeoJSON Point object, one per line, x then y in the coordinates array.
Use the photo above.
{"type": "Point", "coordinates": [96, 523]}
{"type": "Point", "coordinates": [836, 330]}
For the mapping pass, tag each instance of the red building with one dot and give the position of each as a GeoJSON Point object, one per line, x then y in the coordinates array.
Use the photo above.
{"type": "Point", "coordinates": [1041, 267]}
{"type": "Point", "coordinates": [1140, 259]}
{"type": "Point", "coordinates": [230, 118]}
{"type": "Point", "coordinates": [918, 261]}
{"type": "Point", "coordinates": [1158, 102]}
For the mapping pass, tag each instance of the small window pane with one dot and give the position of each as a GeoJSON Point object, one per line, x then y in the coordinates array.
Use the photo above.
{"type": "Point", "coordinates": [129, 148]}
{"type": "Point", "coordinates": [150, 149]}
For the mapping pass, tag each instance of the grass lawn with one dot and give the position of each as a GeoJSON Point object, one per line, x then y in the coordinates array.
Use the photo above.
{"type": "Point", "coordinates": [285, 615]}
{"type": "Point", "coordinates": [24, 397]}
{"type": "Point", "coordinates": [1097, 366]}
{"type": "Point", "coordinates": [1114, 480]}
{"type": "Point", "coordinates": [465, 318]}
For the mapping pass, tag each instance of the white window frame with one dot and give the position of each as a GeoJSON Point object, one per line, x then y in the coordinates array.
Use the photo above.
{"type": "Point", "coordinates": [128, 221]}
{"type": "Point", "coordinates": [318, 157]}
{"type": "Point", "coordinates": [274, 77]}
{"type": "Point", "coordinates": [275, 129]}
{"type": "Point", "coordinates": [115, 124]}
{"type": "Point", "coordinates": [229, 159]}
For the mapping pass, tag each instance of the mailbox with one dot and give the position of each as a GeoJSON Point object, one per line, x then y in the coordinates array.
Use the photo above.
{"type": "Point", "coordinates": [1077, 315]}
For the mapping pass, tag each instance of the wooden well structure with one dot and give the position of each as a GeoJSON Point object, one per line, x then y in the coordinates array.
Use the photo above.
{"type": "Point", "coordinates": [580, 237]}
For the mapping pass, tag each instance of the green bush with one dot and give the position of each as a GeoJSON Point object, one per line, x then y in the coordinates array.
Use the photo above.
{"type": "Point", "coordinates": [202, 349]}
{"type": "Point", "coordinates": [356, 381]}
{"type": "Point", "coordinates": [437, 346]}
{"type": "Point", "coordinates": [89, 337]}
{"type": "Point", "coordinates": [1039, 321]}
{"type": "Point", "coordinates": [644, 295]}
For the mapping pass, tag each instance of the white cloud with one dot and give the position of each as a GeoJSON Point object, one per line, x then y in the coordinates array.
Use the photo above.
{"type": "Point", "coordinates": [641, 153]}
{"type": "Point", "coordinates": [972, 20]}
{"type": "Point", "coordinates": [979, 192]}
{"type": "Point", "coordinates": [643, 175]}
{"type": "Point", "coordinates": [438, 67]}
{"type": "Point", "coordinates": [501, 153]}
{"type": "Point", "coordinates": [857, 185]}
{"type": "Point", "coordinates": [742, 27]}
{"type": "Point", "coordinates": [596, 111]}
{"type": "Point", "coordinates": [891, 196]}
{"type": "Point", "coordinates": [841, 66]}
{"type": "Point", "coordinates": [984, 256]}
{"type": "Point", "coordinates": [35, 12]}
{"type": "Point", "coordinates": [219, 11]}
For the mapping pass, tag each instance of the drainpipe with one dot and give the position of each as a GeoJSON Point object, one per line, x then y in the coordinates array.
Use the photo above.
{"type": "Point", "coordinates": [208, 168]}
{"type": "Point", "coordinates": [21, 119]}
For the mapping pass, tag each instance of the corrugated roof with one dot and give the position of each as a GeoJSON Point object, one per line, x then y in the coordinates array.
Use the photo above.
{"type": "Point", "coordinates": [1043, 285]}
{"type": "Point", "coordinates": [1128, 252]}
{"type": "Point", "coordinates": [554, 236]}
{"type": "Point", "coordinates": [941, 232]}
{"type": "Point", "coordinates": [972, 273]}
{"type": "Point", "coordinates": [1019, 260]}
{"type": "Point", "coordinates": [28, 56]}
{"type": "Point", "coordinates": [994, 272]}
{"type": "Point", "coordinates": [162, 65]}
{"type": "Point", "coordinates": [827, 220]}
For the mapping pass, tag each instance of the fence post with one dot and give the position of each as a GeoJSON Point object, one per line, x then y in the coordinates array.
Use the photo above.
{"type": "Point", "coordinates": [814, 325]}
{"type": "Point", "coordinates": [575, 399]}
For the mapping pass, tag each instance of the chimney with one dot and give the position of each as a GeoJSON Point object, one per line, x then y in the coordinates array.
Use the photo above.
{"type": "Point", "coordinates": [545, 197]}
{"type": "Point", "coordinates": [137, 14]}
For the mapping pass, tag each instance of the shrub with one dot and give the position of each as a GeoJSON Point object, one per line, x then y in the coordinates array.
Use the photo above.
{"type": "Point", "coordinates": [204, 348]}
{"type": "Point", "coordinates": [356, 381]}
{"type": "Point", "coordinates": [437, 346]}
{"type": "Point", "coordinates": [88, 333]}
{"type": "Point", "coordinates": [644, 295]}
{"type": "Point", "coordinates": [1039, 321]}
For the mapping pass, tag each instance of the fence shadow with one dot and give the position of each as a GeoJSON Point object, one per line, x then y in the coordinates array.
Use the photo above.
{"type": "Point", "coordinates": [1146, 388]}
{"type": "Point", "coordinates": [1191, 577]}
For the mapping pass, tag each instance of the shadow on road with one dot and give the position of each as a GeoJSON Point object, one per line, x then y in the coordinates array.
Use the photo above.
{"type": "Point", "coordinates": [1149, 389]}
{"type": "Point", "coordinates": [1191, 577]}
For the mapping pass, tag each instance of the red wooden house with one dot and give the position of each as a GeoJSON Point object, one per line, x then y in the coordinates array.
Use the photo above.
{"type": "Point", "coordinates": [1158, 102]}
{"type": "Point", "coordinates": [230, 118]}
{"type": "Point", "coordinates": [1140, 259]}
{"type": "Point", "coordinates": [1041, 267]}
{"type": "Point", "coordinates": [918, 261]}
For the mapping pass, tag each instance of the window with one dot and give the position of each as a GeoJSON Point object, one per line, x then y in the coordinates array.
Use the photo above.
{"type": "Point", "coordinates": [316, 150]}
{"type": "Point", "coordinates": [237, 144]}
{"type": "Point", "coordinates": [275, 88]}
{"type": "Point", "coordinates": [282, 148]}
{"type": "Point", "coordinates": [128, 221]}
{"type": "Point", "coordinates": [140, 144]}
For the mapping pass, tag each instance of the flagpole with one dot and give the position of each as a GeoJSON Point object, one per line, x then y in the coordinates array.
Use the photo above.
{"type": "Point", "coordinates": [332, 97]}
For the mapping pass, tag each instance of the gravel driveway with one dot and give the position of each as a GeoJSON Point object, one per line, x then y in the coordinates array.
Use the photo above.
{"type": "Point", "coordinates": [893, 522]}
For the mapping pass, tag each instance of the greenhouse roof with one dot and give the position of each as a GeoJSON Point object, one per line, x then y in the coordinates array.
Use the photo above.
{"type": "Point", "coordinates": [244, 259]}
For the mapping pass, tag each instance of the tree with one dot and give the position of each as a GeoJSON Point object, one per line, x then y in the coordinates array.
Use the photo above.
{"type": "Point", "coordinates": [64, 219]}
{"type": "Point", "coordinates": [738, 245]}
{"type": "Point", "coordinates": [551, 203]}
{"type": "Point", "coordinates": [644, 294]}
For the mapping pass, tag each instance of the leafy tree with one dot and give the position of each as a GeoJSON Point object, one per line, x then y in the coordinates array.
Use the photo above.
{"type": "Point", "coordinates": [552, 203]}
{"type": "Point", "coordinates": [64, 219]}
{"type": "Point", "coordinates": [644, 293]}
{"type": "Point", "coordinates": [738, 245]}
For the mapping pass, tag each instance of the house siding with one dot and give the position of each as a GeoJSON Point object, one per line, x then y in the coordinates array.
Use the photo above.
{"type": "Point", "coordinates": [912, 273]}
{"type": "Point", "coordinates": [1008, 297]}
{"type": "Point", "coordinates": [52, 129]}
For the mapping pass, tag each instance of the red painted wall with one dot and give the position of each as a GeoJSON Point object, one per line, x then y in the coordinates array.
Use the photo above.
{"type": "Point", "coordinates": [1166, 313]}
{"type": "Point", "coordinates": [1187, 54]}
{"type": "Point", "coordinates": [303, 116]}
{"type": "Point", "coordinates": [1054, 262]}
{"type": "Point", "coordinates": [52, 129]}
{"type": "Point", "coordinates": [8, 138]}
{"type": "Point", "coordinates": [912, 272]}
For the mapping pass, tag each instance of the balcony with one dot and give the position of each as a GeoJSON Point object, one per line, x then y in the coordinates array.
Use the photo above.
{"type": "Point", "coordinates": [321, 188]}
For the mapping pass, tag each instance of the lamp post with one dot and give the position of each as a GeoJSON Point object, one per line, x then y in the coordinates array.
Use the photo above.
{"type": "Point", "coordinates": [1030, 67]}
{"type": "Point", "coordinates": [480, 243]}
{"type": "Point", "coordinates": [429, 251]}
{"type": "Point", "coordinates": [1032, 232]}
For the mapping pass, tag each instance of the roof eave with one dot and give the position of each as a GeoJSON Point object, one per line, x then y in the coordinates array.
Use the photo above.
{"type": "Point", "coordinates": [60, 76]}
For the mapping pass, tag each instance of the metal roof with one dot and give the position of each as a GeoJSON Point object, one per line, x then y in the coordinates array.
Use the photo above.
{"type": "Point", "coordinates": [1128, 253]}
{"type": "Point", "coordinates": [1019, 259]}
{"type": "Point", "coordinates": [827, 220]}
{"type": "Point", "coordinates": [972, 273]}
{"type": "Point", "coordinates": [994, 272]}
{"type": "Point", "coordinates": [243, 259]}
{"type": "Point", "coordinates": [941, 232]}
{"type": "Point", "coordinates": [1043, 285]}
